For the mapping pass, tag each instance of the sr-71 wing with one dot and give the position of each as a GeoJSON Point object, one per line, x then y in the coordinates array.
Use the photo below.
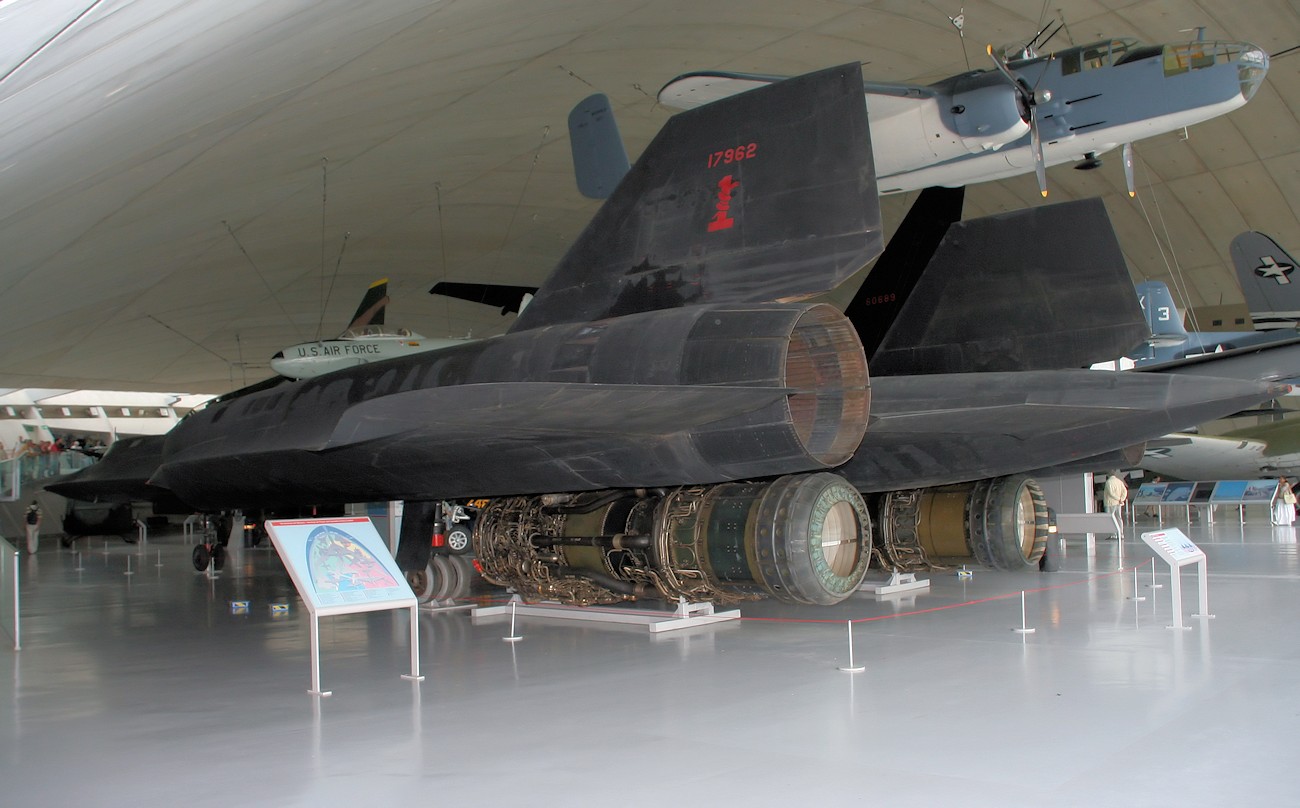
{"type": "Point", "coordinates": [935, 429]}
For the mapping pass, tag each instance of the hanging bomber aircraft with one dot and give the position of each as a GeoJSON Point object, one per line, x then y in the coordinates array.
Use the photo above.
{"type": "Point", "coordinates": [666, 416]}
{"type": "Point", "coordinates": [1032, 112]}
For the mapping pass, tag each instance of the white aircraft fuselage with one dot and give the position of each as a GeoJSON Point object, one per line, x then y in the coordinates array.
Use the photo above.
{"type": "Point", "coordinates": [1089, 99]}
{"type": "Point", "coordinates": [370, 344]}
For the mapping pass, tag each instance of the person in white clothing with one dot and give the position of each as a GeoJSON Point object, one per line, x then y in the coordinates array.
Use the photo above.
{"type": "Point", "coordinates": [1115, 494]}
{"type": "Point", "coordinates": [1284, 504]}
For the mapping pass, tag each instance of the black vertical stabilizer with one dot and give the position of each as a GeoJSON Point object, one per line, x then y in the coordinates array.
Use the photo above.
{"type": "Point", "coordinates": [1045, 288]}
{"type": "Point", "coordinates": [768, 195]}
{"type": "Point", "coordinates": [891, 281]}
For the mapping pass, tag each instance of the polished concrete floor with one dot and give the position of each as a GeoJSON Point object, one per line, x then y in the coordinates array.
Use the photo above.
{"type": "Point", "coordinates": [149, 690]}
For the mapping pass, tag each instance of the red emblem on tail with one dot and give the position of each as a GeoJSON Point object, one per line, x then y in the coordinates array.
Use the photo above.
{"type": "Point", "coordinates": [720, 220]}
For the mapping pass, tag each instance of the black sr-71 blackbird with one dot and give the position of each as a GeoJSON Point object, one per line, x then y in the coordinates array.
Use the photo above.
{"type": "Point", "coordinates": [674, 415]}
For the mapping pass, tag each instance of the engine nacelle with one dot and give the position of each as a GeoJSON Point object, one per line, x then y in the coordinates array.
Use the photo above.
{"type": "Point", "coordinates": [1000, 523]}
{"type": "Point", "coordinates": [801, 538]}
{"type": "Point", "coordinates": [987, 112]}
{"type": "Point", "coordinates": [813, 351]}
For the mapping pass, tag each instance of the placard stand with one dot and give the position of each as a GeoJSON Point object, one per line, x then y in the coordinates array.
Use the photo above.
{"type": "Point", "coordinates": [341, 566]}
{"type": "Point", "coordinates": [413, 676]}
{"type": "Point", "coordinates": [1178, 551]}
{"type": "Point", "coordinates": [686, 615]}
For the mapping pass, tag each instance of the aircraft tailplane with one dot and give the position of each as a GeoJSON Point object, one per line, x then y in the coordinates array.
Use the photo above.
{"type": "Point", "coordinates": [1164, 319]}
{"type": "Point", "coordinates": [766, 196]}
{"type": "Point", "coordinates": [1266, 274]}
{"type": "Point", "coordinates": [373, 304]}
{"type": "Point", "coordinates": [1038, 289]}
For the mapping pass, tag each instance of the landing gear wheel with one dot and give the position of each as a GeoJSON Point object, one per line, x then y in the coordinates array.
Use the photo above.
{"type": "Point", "coordinates": [422, 582]}
{"type": "Point", "coordinates": [200, 557]}
{"type": "Point", "coordinates": [218, 557]}
{"type": "Point", "coordinates": [444, 577]}
{"type": "Point", "coordinates": [464, 576]}
{"type": "Point", "coordinates": [458, 541]}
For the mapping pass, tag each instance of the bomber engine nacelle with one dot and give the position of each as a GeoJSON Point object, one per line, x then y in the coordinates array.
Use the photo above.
{"type": "Point", "coordinates": [986, 112]}
{"type": "Point", "coordinates": [801, 538]}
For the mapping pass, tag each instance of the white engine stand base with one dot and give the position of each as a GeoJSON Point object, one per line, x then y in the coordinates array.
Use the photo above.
{"type": "Point", "coordinates": [448, 605]}
{"type": "Point", "coordinates": [686, 615]}
{"type": "Point", "coordinates": [898, 582]}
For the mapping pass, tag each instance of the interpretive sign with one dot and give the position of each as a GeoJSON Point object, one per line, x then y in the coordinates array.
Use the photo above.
{"type": "Point", "coordinates": [1149, 493]}
{"type": "Point", "coordinates": [341, 566]}
{"type": "Point", "coordinates": [1177, 493]}
{"type": "Point", "coordinates": [1202, 492]}
{"type": "Point", "coordinates": [1178, 551]}
{"type": "Point", "coordinates": [1229, 491]}
{"type": "Point", "coordinates": [1173, 546]}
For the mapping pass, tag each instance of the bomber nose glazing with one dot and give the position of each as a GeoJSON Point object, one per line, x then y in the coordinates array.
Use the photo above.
{"type": "Point", "coordinates": [1252, 65]}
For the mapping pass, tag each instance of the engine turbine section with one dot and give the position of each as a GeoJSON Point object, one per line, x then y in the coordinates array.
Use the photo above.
{"type": "Point", "coordinates": [801, 538]}
{"type": "Point", "coordinates": [1000, 523]}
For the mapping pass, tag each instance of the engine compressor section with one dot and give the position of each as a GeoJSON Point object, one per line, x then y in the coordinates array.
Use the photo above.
{"type": "Point", "coordinates": [802, 538]}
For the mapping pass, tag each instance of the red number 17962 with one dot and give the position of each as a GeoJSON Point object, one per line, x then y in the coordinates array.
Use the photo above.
{"type": "Point", "coordinates": [733, 155]}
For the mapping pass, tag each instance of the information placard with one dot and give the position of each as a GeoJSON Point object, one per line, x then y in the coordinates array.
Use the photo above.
{"type": "Point", "coordinates": [340, 565]}
{"type": "Point", "coordinates": [1148, 493]}
{"type": "Point", "coordinates": [1202, 492]}
{"type": "Point", "coordinates": [1233, 491]}
{"type": "Point", "coordinates": [1173, 546]}
{"type": "Point", "coordinates": [1178, 551]}
{"type": "Point", "coordinates": [1177, 493]}
{"type": "Point", "coordinates": [1260, 491]}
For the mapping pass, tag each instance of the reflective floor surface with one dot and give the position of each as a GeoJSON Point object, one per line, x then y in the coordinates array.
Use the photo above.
{"type": "Point", "coordinates": [149, 689]}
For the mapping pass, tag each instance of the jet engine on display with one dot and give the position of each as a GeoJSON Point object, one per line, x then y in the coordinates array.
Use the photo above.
{"type": "Point", "coordinates": [673, 416]}
{"type": "Point", "coordinates": [800, 538]}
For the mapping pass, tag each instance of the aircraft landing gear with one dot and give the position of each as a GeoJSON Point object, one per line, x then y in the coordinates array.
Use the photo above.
{"type": "Point", "coordinates": [254, 529]}
{"type": "Point", "coordinates": [446, 578]}
{"type": "Point", "coordinates": [212, 550]}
